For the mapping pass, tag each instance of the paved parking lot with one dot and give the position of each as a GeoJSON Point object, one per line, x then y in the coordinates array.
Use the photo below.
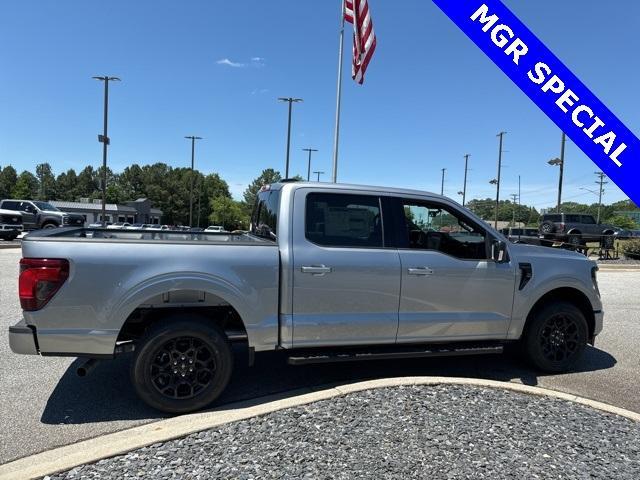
{"type": "Point", "coordinates": [44, 404]}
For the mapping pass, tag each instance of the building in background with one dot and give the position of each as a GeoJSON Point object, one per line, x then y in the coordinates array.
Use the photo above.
{"type": "Point", "coordinates": [137, 211]}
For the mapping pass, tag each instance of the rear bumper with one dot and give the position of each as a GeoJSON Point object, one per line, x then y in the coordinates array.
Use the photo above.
{"type": "Point", "coordinates": [22, 339]}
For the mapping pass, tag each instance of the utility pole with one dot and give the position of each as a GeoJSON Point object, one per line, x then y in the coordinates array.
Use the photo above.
{"type": "Point", "coordinates": [497, 182]}
{"type": "Point", "coordinates": [104, 139]}
{"type": "Point", "coordinates": [318, 174]}
{"type": "Point", "coordinates": [309, 162]}
{"type": "Point", "coordinates": [193, 152]}
{"type": "Point", "coordinates": [291, 101]}
{"type": "Point", "coordinates": [464, 186]}
{"type": "Point", "coordinates": [442, 186]}
{"type": "Point", "coordinates": [601, 176]}
{"type": "Point", "coordinates": [514, 197]}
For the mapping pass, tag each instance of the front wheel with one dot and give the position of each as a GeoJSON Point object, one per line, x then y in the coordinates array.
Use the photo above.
{"type": "Point", "coordinates": [182, 364]}
{"type": "Point", "coordinates": [556, 337]}
{"type": "Point", "coordinates": [49, 225]}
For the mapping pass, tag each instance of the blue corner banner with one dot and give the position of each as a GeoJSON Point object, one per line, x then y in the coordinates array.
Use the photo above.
{"type": "Point", "coordinates": [552, 87]}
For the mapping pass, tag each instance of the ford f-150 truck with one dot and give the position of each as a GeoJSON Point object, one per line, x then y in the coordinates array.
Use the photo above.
{"type": "Point", "coordinates": [328, 272]}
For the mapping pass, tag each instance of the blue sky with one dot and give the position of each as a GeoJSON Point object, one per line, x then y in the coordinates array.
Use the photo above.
{"type": "Point", "coordinates": [430, 95]}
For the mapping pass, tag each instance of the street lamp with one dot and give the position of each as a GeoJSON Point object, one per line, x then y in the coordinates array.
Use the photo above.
{"type": "Point", "coordinates": [310, 150]}
{"type": "Point", "coordinates": [193, 151]}
{"type": "Point", "coordinates": [318, 174]}
{"type": "Point", "coordinates": [104, 139]}
{"type": "Point", "coordinates": [290, 100]}
{"type": "Point", "coordinates": [560, 163]}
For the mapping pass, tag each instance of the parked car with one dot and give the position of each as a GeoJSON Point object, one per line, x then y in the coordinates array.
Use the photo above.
{"type": "Point", "coordinates": [328, 273]}
{"type": "Point", "coordinates": [516, 234]}
{"type": "Point", "coordinates": [10, 224]}
{"type": "Point", "coordinates": [623, 233]}
{"type": "Point", "coordinates": [575, 228]}
{"type": "Point", "coordinates": [37, 214]}
{"type": "Point", "coordinates": [215, 229]}
{"type": "Point", "coordinates": [119, 225]}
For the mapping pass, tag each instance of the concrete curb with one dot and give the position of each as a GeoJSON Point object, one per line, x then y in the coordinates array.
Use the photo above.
{"type": "Point", "coordinates": [10, 245]}
{"type": "Point", "coordinates": [92, 450]}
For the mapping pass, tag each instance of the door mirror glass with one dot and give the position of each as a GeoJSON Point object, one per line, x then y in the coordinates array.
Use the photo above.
{"type": "Point", "coordinates": [499, 251]}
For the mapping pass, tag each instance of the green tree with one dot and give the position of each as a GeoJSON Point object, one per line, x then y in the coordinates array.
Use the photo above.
{"type": "Point", "coordinates": [46, 182]}
{"type": "Point", "coordinates": [623, 221]}
{"type": "Point", "coordinates": [8, 179]}
{"type": "Point", "coordinates": [66, 185]}
{"type": "Point", "coordinates": [26, 186]}
{"type": "Point", "coordinates": [87, 185]}
{"type": "Point", "coordinates": [228, 213]}
{"type": "Point", "coordinates": [267, 177]}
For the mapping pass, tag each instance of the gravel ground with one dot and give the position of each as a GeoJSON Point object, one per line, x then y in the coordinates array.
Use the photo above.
{"type": "Point", "coordinates": [407, 432]}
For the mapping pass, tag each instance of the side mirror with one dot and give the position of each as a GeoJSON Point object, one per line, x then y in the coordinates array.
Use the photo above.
{"type": "Point", "coordinates": [498, 251]}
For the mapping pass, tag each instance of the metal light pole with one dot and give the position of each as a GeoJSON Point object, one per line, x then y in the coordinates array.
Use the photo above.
{"type": "Point", "coordinates": [464, 187]}
{"type": "Point", "coordinates": [318, 173]}
{"type": "Point", "coordinates": [104, 139]}
{"type": "Point", "coordinates": [289, 100]}
{"type": "Point", "coordinates": [497, 180]}
{"type": "Point", "coordinates": [309, 162]}
{"type": "Point", "coordinates": [442, 184]}
{"type": "Point", "coordinates": [193, 154]}
{"type": "Point", "coordinates": [560, 163]}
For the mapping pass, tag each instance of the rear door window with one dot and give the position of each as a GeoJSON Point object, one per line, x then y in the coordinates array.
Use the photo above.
{"type": "Point", "coordinates": [552, 218]}
{"type": "Point", "coordinates": [572, 218]}
{"type": "Point", "coordinates": [10, 205]}
{"type": "Point", "coordinates": [343, 220]}
{"type": "Point", "coordinates": [264, 221]}
{"type": "Point", "coordinates": [588, 219]}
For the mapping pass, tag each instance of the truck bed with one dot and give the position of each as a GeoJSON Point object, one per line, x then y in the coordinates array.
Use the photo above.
{"type": "Point", "coordinates": [142, 236]}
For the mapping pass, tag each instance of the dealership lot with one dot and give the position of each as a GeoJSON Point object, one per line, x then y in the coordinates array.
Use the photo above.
{"type": "Point", "coordinates": [44, 404]}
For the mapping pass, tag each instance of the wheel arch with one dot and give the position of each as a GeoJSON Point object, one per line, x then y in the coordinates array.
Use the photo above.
{"type": "Point", "coordinates": [565, 294]}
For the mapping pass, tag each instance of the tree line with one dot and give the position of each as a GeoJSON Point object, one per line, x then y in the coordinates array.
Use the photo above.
{"type": "Point", "coordinates": [168, 188]}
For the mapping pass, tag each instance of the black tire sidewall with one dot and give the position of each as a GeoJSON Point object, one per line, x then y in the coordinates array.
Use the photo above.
{"type": "Point", "coordinates": [534, 328]}
{"type": "Point", "coordinates": [552, 227]}
{"type": "Point", "coordinates": [164, 331]}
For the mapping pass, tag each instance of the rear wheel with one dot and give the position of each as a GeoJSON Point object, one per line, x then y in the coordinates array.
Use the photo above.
{"type": "Point", "coordinates": [547, 227]}
{"type": "Point", "coordinates": [182, 364]}
{"type": "Point", "coordinates": [556, 337]}
{"type": "Point", "coordinates": [575, 239]}
{"type": "Point", "coordinates": [50, 225]}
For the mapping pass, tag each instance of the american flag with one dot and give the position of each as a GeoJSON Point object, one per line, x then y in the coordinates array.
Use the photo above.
{"type": "Point", "coordinates": [357, 13]}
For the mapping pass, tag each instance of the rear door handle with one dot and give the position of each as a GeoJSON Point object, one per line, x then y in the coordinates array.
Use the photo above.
{"type": "Point", "coordinates": [420, 271]}
{"type": "Point", "coordinates": [316, 269]}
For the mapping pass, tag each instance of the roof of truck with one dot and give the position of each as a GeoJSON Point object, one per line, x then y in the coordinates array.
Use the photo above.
{"type": "Point", "coordinates": [351, 186]}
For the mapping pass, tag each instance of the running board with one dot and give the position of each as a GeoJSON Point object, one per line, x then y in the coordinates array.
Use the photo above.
{"type": "Point", "coordinates": [430, 351]}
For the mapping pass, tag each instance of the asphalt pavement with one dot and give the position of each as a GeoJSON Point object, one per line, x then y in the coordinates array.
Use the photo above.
{"type": "Point", "coordinates": [43, 404]}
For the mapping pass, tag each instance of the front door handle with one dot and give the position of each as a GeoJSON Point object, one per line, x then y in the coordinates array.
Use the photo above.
{"type": "Point", "coordinates": [420, 271]}
{"type": "Point", "coordinates": [316, 269]}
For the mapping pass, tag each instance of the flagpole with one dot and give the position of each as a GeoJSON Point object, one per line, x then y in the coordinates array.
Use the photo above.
{"type": "Point", "coordinates": [334, 174]}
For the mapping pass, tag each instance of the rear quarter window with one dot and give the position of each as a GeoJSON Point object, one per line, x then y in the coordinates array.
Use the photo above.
{"type": "Point", "coordinates": [264, 220]}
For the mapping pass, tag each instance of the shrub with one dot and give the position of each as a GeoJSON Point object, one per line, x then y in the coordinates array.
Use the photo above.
{"type": "Point", "coordinates": [631, 249]}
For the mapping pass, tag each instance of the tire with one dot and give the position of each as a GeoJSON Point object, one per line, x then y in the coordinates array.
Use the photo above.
{"type": "Point", "coordinates": [575, 239]}
{"type": "Point", "coordinates": [556, 337]}
{"type": "Point", "coordinates": [49, 225]}
{"type": "Point", "coordinates": [189, 342]}
{"type": "Point", "coordinates": [547, 227]}
{"type": "Point", "coordinates": [608, 241]}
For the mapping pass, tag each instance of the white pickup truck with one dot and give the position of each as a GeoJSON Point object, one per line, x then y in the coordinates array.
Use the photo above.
{"type": "Point", "coordinates": [328, 272]}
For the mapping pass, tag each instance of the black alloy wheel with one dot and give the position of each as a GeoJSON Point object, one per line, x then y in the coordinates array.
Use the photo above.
{"type": "Point", "coordinates": [182, 368]}
{"type": "Point", "coordinates": [556, 337]}
{"type": "Point", "coordinates": [181, 363]}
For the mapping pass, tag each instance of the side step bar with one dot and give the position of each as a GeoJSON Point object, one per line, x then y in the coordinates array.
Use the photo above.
{"type": "Point", "coordinates": [428, 351]}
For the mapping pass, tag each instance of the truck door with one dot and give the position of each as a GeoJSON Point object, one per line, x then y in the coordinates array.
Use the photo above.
{"type": "Point", "coordinates": [451, 290]}
{"type": "Point", "coordinates": [29, 214]}
{"type": "Point", "coordinates": [346, 283]}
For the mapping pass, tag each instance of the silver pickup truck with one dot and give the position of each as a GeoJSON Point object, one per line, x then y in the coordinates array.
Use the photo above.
{"type": "Point", "coordinates": [328, 272]}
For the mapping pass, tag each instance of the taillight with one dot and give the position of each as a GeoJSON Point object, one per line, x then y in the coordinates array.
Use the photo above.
{"type": "Point", "coordinates": [40, 279]}
{"type": "Point", "coordinates": [561, 227]}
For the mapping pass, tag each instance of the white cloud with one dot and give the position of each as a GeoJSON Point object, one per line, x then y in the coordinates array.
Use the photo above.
{"type": "Point", "coordinates": [226, 61]}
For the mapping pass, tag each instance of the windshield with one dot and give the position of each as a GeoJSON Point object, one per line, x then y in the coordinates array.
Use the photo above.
{"type": "Point", "coordinates": [46, 206]}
